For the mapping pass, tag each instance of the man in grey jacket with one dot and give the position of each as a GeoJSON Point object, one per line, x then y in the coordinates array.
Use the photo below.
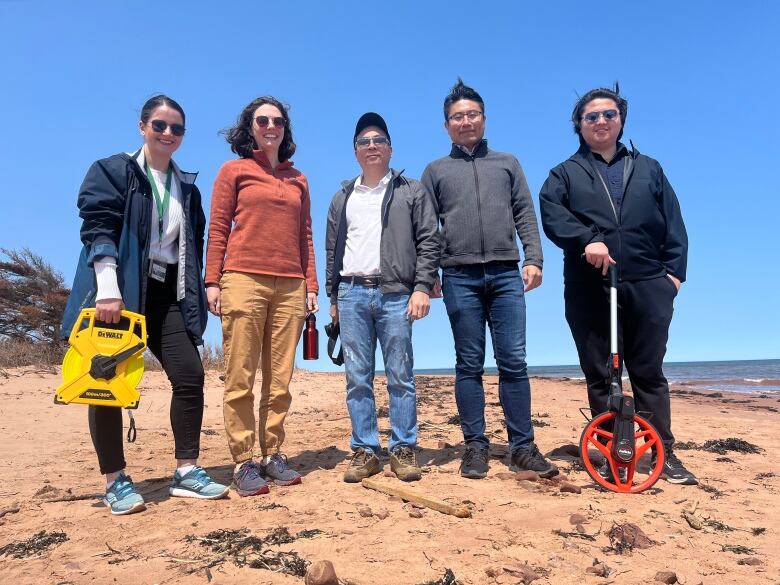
{"type": "Point", "coordinates": [382, 260]}
{"type": "Point", "coordinates": [482, 200]}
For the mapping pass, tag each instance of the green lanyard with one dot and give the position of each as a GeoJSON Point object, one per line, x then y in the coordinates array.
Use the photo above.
{"type": "Point", "coordinates": [162, 203]}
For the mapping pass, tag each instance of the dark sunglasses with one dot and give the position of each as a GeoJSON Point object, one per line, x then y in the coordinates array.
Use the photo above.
{"type": "Point", "coordinates": [263, 121]}
{"type": "Point", "coordinates": [161, 125]}
{"type": "Point", "coordinates": [593, 117]}
{"type": "Point", "coordinates": [365, 142]}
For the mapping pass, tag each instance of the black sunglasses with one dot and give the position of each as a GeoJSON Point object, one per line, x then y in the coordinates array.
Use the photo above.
{"type": "Point", "coordinates": [592, 117]}
{"type": "Point", "coordinates": [161, 125]}
{"type": "Point", "coordinates": [377, 140]}
{"type": "Point", "coordinates": [263, 121]}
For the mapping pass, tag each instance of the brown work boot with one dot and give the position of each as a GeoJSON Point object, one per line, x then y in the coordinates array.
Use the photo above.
{"type": "Point", "coordinates": [364, 464]}
{"type": "Point", "coordinates": [404, 464]}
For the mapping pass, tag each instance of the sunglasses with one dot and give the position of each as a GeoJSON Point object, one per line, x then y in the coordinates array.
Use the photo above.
{"type": "Point", "coordinates": [263, 121]}
{"type": "Point", "coordinates": [365, 142]}
{"type": "Point", "coordinates": [161, 125]}
{"type": "Point", "coordinates": [471, 116]}
{"type": "Point", "coordinates": [593, 117]}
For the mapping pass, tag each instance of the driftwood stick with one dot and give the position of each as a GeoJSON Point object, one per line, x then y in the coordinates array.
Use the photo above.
{"type": "Point", "coordinates": [418, 498]}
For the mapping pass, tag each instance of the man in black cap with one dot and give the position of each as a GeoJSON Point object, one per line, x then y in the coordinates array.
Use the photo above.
{"type": "Point", "coordinates": [382, 260]}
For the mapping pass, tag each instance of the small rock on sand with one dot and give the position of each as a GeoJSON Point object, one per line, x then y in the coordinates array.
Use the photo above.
{"type": "Point", "coordinates": [415, 513]}
{"type": "Point", "coordinates": [365, 511]}
{"type": "Point", "coordinates": [577, 519]}
{"type": "Point", "coordinates": [321, 573]}
{"type": "Point", "coordinates": [668, 577]}
{"type": "Point", "coordinates": [570, 488]}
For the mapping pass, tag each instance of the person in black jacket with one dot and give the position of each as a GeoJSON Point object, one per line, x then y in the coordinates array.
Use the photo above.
{"type": "Point", "coordinates": [142, 231]}
{"type": "Point", "coordinates": [609, 205]}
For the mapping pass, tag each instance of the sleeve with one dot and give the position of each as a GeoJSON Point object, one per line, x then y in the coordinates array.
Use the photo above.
{"type": "Point", "coordinates": [224, 199]}
{"type": "Point", "coordinates": [559, 223]}
{"type": "Point", "coordinates": [306, 242]}
{"type": "Point", "coordinates": [101, 204]}
{"type": "Point", "coordinates": [200, 224]}
{"type": "Point", "coordinates": [524, 217]}
{"type": "Point", "coordinates": [429, 185]}
{"type": "Point", "coordinates": [675, 250]}
{"type": "Point", "coordinates": [105, 278]}
{"type": "Point", "coordinates": [330, 247]}
{"type": "Point", "coordinates": [426, 237]}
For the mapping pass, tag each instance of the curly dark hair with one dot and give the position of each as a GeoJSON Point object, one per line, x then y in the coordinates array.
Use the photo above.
{"type": "Point", "coordinates": [240, 136]}
{"type": "Point", "coordinates": [600, 92]}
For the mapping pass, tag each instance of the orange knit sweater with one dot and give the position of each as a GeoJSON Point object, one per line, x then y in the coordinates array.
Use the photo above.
{"type": "Point", "coordinates": [261, 222]}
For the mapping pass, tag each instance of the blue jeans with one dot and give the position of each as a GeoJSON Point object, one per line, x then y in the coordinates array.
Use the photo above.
{"type": "Point", "coordinates": [365, 315]}
{"type": "Point", "coordinates": [491, 293]}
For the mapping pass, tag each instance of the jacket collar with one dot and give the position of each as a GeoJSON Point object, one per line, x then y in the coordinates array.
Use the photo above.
{"type": "Point", "coordinates": [260, 158]}
{"type": "Point", "coordinates": [479, 151]}
{"type": "Point", "coordinates": [182, 176]}
{"type": "Point", "coordinates": [584, 157]}
{"type": "Point", "coordinates": [348, 185]}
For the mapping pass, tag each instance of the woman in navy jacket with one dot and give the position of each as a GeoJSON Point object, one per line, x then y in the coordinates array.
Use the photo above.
{"type": "Point", "coordinates": [142, 230]}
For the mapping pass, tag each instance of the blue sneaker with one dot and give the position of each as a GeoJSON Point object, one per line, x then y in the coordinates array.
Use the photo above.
{"type": "Point", "coordinates": [277, 470]}
{"type": "Point", "coordinates": [248, 480]}
{"type": "Point", "coordinates": [121, 497]}
{"type": "Point", "coordinates": [196, 483]}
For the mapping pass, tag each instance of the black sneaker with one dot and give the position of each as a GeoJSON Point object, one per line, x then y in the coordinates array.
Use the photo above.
{"type": "Point", "coordinates": [675, 472]}
{"type": "Point", "coordinates": [605, 471]}
{"type": "Point", "coordinates": [531, 459]}
{"type": "Point", "coordinates": [474, 464]}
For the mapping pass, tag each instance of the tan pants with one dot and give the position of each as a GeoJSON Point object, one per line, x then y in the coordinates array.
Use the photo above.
{"type": "Point", "coordinates": [262, 319]}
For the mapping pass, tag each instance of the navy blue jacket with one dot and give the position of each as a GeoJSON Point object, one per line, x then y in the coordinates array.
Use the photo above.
{"type": "Point", "coordinates": [115, 203]}
{"type": "Point", "coordinates": [647, 237]}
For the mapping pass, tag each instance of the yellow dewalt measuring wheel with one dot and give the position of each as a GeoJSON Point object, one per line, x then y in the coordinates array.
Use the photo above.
{"type": "Point", "coordinates": [104, 364]}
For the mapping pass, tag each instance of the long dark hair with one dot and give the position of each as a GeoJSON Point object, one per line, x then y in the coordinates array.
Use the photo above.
{"type": "Point", "coordinates": [240, 136]}
{"type": "Point", "coordinates": [157, 101]}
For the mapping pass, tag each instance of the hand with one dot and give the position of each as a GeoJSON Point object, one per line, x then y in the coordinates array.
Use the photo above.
{"type": "Point", "coordinates": [676, 281]}
{"type": "Point", "coordinates": [597, 255]}
{"type": "Point", "coordinates": [311, 303]}
{"type": "Point", "coordinates": [214, 296]}
{"type": "Point", "coordinates": [109, 310]}
{"type": "Point", "coordinates": [419, 305]}
{"type": "Point", "coordinates": [334, 313]}
{"type": "Point", "coordinates": [532, 277]}
{"type": "Point", "coordinates": [436, 289]}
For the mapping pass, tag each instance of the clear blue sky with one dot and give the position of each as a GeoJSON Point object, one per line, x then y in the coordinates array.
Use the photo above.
{"type": "Point", "coordinates": [701, 79]}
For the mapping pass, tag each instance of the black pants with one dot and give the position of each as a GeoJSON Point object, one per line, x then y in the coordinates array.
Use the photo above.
{"type": "Point", "coordinates": [169, 342]}
{"type": "Point", "coordinates": [645, 310]}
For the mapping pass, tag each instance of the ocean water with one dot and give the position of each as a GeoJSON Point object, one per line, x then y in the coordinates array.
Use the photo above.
{"type": "Point", "coordinates": [733, 376]}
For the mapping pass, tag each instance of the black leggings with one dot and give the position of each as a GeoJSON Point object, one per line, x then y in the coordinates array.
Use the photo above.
{"type": "Point", "coordinates": [171, 345]}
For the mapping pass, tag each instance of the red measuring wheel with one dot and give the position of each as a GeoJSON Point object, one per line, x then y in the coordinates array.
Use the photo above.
{"type": "Point", "coordinates": [617, 475]}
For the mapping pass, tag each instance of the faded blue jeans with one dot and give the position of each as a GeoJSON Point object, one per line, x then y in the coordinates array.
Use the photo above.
{"type": "Point", "coordinates": [492, 294]}
{"type": "Point", "coordinates": [365, 316]}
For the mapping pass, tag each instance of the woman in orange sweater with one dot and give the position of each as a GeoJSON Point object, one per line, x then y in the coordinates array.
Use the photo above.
{"type": "Point", "coordinates": [261, 279]}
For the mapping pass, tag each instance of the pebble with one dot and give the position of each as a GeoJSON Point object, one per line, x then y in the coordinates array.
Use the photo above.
{"type": "Point", "coordinates": [577, 519]}
{"type": "Point", "coordinates": [415, 513]}
{"type": "Point", "coordinates": [750, 561]}
{"type": "Point", "coordinates": [321, 573]}
{"type": "Point", "coordinates": [668, 577]}
{"type": "Point", "coordinates": [570, 488]}
{"type": "Point", "coordinates": [382, 514]}
{"type": "Point", "coordinates": [365, 511]}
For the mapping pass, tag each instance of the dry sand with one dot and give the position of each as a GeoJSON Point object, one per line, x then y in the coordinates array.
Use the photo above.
{"type": "Point", "coordinates": [46, 455]}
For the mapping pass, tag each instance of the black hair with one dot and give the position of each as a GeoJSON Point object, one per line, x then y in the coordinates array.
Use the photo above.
{"type": "Point", "coordinates": [594, 94]}
{"type": "Point", "coordinates": [240, 137]}
{"type": "Point", "coordinates": [158, 101]}
{"type": "Point", "coordinates": [461, 91]}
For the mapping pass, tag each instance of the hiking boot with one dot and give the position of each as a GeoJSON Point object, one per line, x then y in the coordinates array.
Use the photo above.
{"type": "Point", "coordinates": [404, 464]}
{"type": "Point", "coordinates": [276, 469]}
{"type": "Point", "coordinates": [474, 464]}
{"type": "Point", "coordinates": [121, 497]}
{"type": "Point", "coordinates": [248, 480]}
{"type": "Point", "coordinates": [196, 483]}
{"type": "Point", "coordinates": [675, 472]}
{"type": "Point", "coordinates": [364, 464]}
{"type": "Point", "coordinates": [529, 458]}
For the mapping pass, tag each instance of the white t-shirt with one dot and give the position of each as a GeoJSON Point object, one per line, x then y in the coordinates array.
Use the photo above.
{"type": "Point", "coordinates": [364, 229]}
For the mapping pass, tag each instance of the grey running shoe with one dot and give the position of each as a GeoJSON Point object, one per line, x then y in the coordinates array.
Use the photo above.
{"type": "Point", "coordinates": [531, 459]}
{"type": "Point", "coordinates": [277, 470]}
{"type": "Point", "coordinates": [364, 464]}
{"type": "Point", "coordinates": [474, 464]}
{"type": "Point", "coordinates": [675, 472]}
{"type": "Point", "coordinates": [404, 464]}
{"type": "Point", "coordinates": [248, 480]}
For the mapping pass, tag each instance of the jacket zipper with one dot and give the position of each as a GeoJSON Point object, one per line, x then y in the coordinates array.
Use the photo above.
{"type": "Point", "coordinates": [617, 219]}
{"type": "Point", "coordinates": [479, 208]}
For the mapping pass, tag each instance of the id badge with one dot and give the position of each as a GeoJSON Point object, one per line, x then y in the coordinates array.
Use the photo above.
{"type": "Point", "coordinates": [157, 270]}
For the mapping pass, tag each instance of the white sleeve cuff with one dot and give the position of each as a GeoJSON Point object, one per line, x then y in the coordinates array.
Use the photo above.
{"type": "Point", "coordinates": [105, 274]}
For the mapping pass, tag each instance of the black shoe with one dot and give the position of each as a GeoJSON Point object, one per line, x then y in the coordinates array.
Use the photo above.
{"type": "Point", "coordinates": [675, 472]}
{"type": "Point", "coordinates": [531, 459]}
{"type": "Point", "coordinates": [605, 471]}
{"type": "Point", "coordinates": [474, 464]}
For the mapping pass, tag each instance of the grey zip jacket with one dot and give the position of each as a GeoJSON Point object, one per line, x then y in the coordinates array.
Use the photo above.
{"type": "Point", "coordinates": [482, 201]}
{"type": "Point", "coordinates": [409, 246]}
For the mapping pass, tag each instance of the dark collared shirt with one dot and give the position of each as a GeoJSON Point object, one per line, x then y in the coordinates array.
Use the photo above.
{"type": "Point", "coordinates": [612, 173]}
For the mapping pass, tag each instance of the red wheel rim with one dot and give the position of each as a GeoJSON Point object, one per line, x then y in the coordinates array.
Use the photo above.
{"type": "Point", "coordinates": [646, 438]}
